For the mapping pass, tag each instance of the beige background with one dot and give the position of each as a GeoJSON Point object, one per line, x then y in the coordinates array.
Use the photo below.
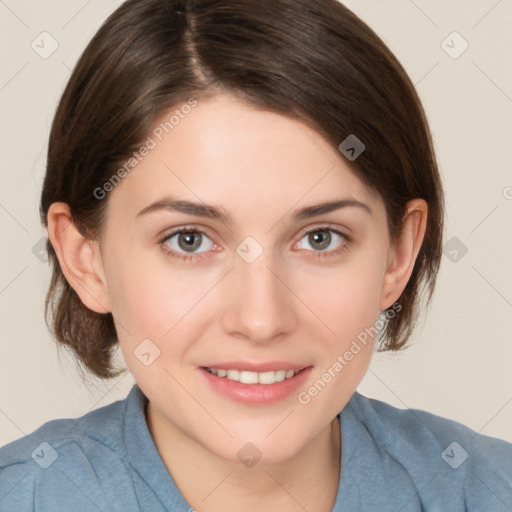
{"type": "Point", "coordinates": [460, 362]}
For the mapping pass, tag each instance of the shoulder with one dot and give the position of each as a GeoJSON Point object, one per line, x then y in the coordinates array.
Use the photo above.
{"type": "Point", "coordinates": [98, 426]}
{"type": "Point", "coordinates": [59, 456]}
{"type": "Point", "coordinates": [477, 466]}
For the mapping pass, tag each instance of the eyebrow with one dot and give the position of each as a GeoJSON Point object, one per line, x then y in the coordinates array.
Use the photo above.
{"type": "Point", "coordinates": [213, 212]}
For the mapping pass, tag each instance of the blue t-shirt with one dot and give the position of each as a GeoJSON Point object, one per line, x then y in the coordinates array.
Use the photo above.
{"type": "Point", "coordinates": [392, 460]}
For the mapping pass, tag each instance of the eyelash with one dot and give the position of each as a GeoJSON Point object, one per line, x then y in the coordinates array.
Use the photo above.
{"type": "Point", "coordinates": [320, 255]}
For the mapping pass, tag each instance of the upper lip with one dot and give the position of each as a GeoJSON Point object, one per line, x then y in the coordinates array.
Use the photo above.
{"type": "Point", "coordinates": [257, 367]}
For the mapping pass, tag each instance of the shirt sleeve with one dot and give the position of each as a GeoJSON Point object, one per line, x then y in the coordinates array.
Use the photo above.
{"type": "Point", "coordinates": [69, 482]}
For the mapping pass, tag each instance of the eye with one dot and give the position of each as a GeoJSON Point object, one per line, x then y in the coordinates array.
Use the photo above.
{"type": "Point", "coordinates": [184, 243]}
{"type": "Point", "coordinates": [324, 240]}
{"type": "Point", "coordinates": [188, 243]}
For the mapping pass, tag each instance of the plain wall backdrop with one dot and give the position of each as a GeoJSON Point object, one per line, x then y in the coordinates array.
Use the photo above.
{"type": "Point", "coordinates": [459, 366]}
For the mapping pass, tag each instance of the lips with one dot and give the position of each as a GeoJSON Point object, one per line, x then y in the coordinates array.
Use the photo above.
{"type": "Point", "coordinates": [255, 383]}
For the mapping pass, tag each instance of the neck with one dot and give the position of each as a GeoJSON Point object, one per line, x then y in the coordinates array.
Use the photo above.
{"type": "Point", "coordinates": [307, 481]}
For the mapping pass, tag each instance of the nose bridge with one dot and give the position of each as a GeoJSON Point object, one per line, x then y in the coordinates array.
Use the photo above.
{"type": "Point", "coordinates": [259, 306]}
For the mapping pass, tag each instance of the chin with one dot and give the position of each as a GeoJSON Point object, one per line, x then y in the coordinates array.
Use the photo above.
{"type": "Point", "coordinates": [250, 448]}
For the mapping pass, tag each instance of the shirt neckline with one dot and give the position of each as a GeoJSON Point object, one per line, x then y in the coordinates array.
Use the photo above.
{"type": "Point", "coordinates": [144, 455]}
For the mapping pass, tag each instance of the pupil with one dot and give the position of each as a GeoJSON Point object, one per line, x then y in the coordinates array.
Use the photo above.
{"type": "Point", "coordinates": [189, 241]}
{"type": "Point", "coordinates": [321, 238]}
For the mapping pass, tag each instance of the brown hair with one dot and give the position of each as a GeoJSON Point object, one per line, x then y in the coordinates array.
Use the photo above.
{"type": "Point", "coordinates": [310, 59]}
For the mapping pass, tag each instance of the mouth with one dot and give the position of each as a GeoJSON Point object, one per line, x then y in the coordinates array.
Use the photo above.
{"type": "Point", "coordinates": [255, 384]}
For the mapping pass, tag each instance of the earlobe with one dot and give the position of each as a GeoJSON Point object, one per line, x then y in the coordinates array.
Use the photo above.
{"type": "Point", "coordinates": [403, 255]}
{"type": "Point", "coordinates": [79, 258]}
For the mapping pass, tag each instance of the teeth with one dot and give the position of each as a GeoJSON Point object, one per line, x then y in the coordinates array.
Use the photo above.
{"type": "Point", "coordinates": [246, 377]}
{"type": "Point", "coordinates": [233, 375]}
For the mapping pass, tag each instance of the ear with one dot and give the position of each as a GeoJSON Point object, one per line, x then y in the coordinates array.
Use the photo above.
{"type": "Point", "coordinates": [402, 255]}
{"type": "Point", "coordinates": [80, 259]}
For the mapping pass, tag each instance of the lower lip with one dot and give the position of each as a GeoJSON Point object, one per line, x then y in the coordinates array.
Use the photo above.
{"type": "Point", "coordinates": [256, 394]}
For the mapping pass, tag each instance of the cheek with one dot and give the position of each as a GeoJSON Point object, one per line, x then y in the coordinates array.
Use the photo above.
{"type": "Point", "coordinates": [348, 303]}
{"type": "Point", "coordinates": [347, 296]}
{"type": "Point", "coordinates": [153, 309]}
{"type": "Point", "coordinates": [148, 295]}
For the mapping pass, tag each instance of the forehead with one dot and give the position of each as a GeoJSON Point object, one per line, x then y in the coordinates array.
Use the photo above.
{"type": "Point", "coordinates": [225, 152]}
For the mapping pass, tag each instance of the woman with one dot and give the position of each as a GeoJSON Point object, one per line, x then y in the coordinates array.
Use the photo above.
{"type": "Point", "coordinates": [245, 197]}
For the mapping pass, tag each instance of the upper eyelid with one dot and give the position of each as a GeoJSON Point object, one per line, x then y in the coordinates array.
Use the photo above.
{"type": "Point", "coordinates": [304, 231]}
{"type": "Point", "coordinates": [180, 229]}
{"type": "Point", "coordinates": [328, 227]}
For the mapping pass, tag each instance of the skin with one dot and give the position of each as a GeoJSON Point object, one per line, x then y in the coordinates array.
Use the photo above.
{"type": "Point", "coordinates": [289, 304]}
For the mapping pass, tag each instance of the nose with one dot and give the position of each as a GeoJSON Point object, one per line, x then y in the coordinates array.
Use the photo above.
{"type": "Point", "coordinates": [260, 306]}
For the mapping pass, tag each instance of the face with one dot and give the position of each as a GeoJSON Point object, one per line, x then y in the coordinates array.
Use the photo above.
{"type": "Point", "coordinates": [258, 288]}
